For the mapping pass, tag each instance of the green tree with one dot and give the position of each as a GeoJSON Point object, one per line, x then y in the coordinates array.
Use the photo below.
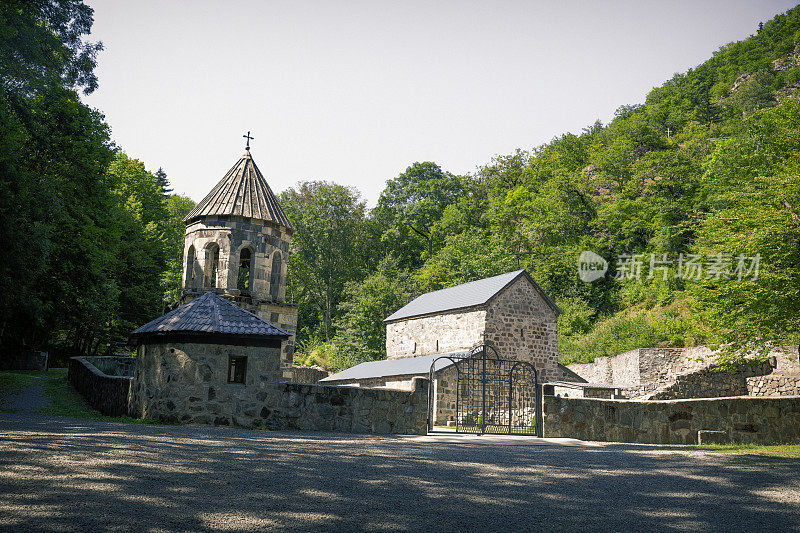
{"type": "Point", "coordinates": [754, 194]}
{"type": "Point", "coordinates": [140, 259]}
{"type": "Point", "coordinates": [328, 249]}
{"type": "Point", "coordinates": [361, 333]}
{"type": "Point", "coordinates": [53, 197]}
{"type": "Point", "coordinates": [163, 182]}
{"type": "Point", "coordinates": [410, 205]}
{"type": "Point", "coordinates": [174, 231]}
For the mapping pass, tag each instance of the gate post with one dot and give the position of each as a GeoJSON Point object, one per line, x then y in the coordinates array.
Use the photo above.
{"type": "Point", "coordinates": [483, 393]}
{"type": "Point", "coordinates": [539, 410]}
{"type": "Point", "coordinates": [510, 397]}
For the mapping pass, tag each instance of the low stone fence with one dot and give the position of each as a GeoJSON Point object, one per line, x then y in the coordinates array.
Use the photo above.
{"type": "Point", "coordinates": [742, 419]}
{"type": "Point", "coordinates": [350, 409]}
{"type": "Point", "coordinates": [107, 394]}
{"type": "Point", "coordinates": [114, 365]}
{"type": "Point", "coordinates": [774, 385]}
{"type": "Point", "coordinates": [308, 374]}
{"type": "Point", "coordinates": [24, 360]}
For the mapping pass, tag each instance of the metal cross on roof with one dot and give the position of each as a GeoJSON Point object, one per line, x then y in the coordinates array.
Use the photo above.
{"type": "Point", "coordinates": [248, 139]}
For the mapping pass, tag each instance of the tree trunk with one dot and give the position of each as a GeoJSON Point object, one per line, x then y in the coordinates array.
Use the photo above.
{"type": "Point", "coordinates": [427, 236]}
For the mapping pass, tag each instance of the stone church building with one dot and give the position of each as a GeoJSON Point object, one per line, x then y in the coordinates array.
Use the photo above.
{"type": "Point", "coordinates": [225, 355]}
{"type": "Point", "coordinates": [237, 246]}
{"type": "Point", "coordinates": [509, 311]}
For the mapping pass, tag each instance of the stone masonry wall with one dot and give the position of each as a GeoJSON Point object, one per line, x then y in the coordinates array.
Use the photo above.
{"type": "Point", "coordinates": [747, 381]}
{"type": "Point", "coordinates": [284, 316]}
{"type": "Point", "coordinates": [349, 409]}
{"type": "Point", "coordinates": [445, 395]}
{"type": "Point", "coordinates": [232, 236]}
{"type": "Point", "coordinates": [444, 389]}
{"type": "Point", "coordinates": [522, 326]}
{"type": "Point", "coordinates": [107, 394]}
{"type": "Point", "coordinates": [188, 382]}
{"type": "Point", "coordinates": [114, 365]}
{"type": "Point", "coordinates": [441, 333]}
{"type": "Point", "coordinates": [743, 419]}
{"type": "Point", "coordinates": [308, 374]}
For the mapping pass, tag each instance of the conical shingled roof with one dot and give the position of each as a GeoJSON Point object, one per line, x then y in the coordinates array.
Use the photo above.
{"type": "Point", "coordinates": [242, 192]}
{"type": "Point", "coordinates": [209, 315]}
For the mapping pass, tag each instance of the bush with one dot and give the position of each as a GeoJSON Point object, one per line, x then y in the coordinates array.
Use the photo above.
{"type": "Point", "coordinates": [314, 351]}
{"type": "Point", "coordinates": [638, 327]}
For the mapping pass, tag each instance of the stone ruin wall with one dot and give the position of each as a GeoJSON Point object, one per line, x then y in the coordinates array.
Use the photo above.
{"type": "Point", "coordinates": [523, 327]}
{"type": "Point", "coordinates": [441, 333]}
{"type": "Point", "coordinates": [681, 373]}
{"type": "Point", "coordinates": [760, 380]}
{"type": "Point", "coordinates": [632, 368]}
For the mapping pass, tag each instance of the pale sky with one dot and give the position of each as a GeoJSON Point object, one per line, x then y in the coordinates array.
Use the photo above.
{"type": "Point", "coordinates": [354, 92]}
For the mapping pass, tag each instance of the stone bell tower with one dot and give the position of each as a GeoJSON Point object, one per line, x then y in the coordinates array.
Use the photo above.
{"type": "Point", "coordinates": [237, 245]}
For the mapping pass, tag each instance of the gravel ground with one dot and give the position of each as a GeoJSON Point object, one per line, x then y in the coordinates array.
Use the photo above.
{"type": "Point", "coordinates": [59, 474]}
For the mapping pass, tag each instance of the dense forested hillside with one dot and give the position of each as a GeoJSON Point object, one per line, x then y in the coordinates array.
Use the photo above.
{"type": "Point", "coordinates": [92, 241]}
{"type": "Point", "coordinates": [693, 198]}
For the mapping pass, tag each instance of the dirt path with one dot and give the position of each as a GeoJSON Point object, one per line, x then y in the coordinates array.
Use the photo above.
{"type": "Point", "coordinates": [59, 474]}
{"type": "Point", "coordinates": [28, 401]}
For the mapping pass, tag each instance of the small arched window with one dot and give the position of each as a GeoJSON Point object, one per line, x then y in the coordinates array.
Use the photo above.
{"type": "Point", "coordinates": [243, 279]}
{"type": "Point", "coordinates": [190, 268]}
{"type": "Point", "coordinates": [212, 265]}
{"type": "Point", "coordinates": [275, 276]}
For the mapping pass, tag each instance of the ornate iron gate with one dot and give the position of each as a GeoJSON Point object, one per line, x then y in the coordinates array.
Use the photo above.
{"type": "Point", "coordinates": [493, 395]}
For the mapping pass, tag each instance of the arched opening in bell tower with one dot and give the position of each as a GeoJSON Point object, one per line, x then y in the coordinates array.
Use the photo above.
{"type": "Point", "coordinates": [211, 266]}
{"type": "Point", "coordinates": [275, 276]}
{"type": "Point", "coordinates": [243, 282]}
{"type": "Point", "coordinates": [190, 268]}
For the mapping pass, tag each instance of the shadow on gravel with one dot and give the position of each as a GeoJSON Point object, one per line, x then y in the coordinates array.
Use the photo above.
{"type": "Point", "coordinates": [65, 475]}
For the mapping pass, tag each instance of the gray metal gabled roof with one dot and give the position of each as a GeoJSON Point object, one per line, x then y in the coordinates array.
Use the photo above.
{"type": "Point", "coordinates": [210, 315]}
{"type": "Point", "coordinates": [474, 293]}
{"type": "Point", "coordinates": [243, 192]}
{"type": "Point", "coordinates": [395, 367]}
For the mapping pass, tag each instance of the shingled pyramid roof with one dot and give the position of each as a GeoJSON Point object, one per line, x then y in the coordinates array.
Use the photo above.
{"type": "Point", "coordinates": [208, 316]}
{"type": "Point", "coordinates": [242, 192]}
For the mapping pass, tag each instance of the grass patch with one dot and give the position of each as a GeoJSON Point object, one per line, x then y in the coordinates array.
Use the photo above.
{"type": "Point", "coordinates": [64, 399]}
{"type": "Point", "coordinates": [775, 450]}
